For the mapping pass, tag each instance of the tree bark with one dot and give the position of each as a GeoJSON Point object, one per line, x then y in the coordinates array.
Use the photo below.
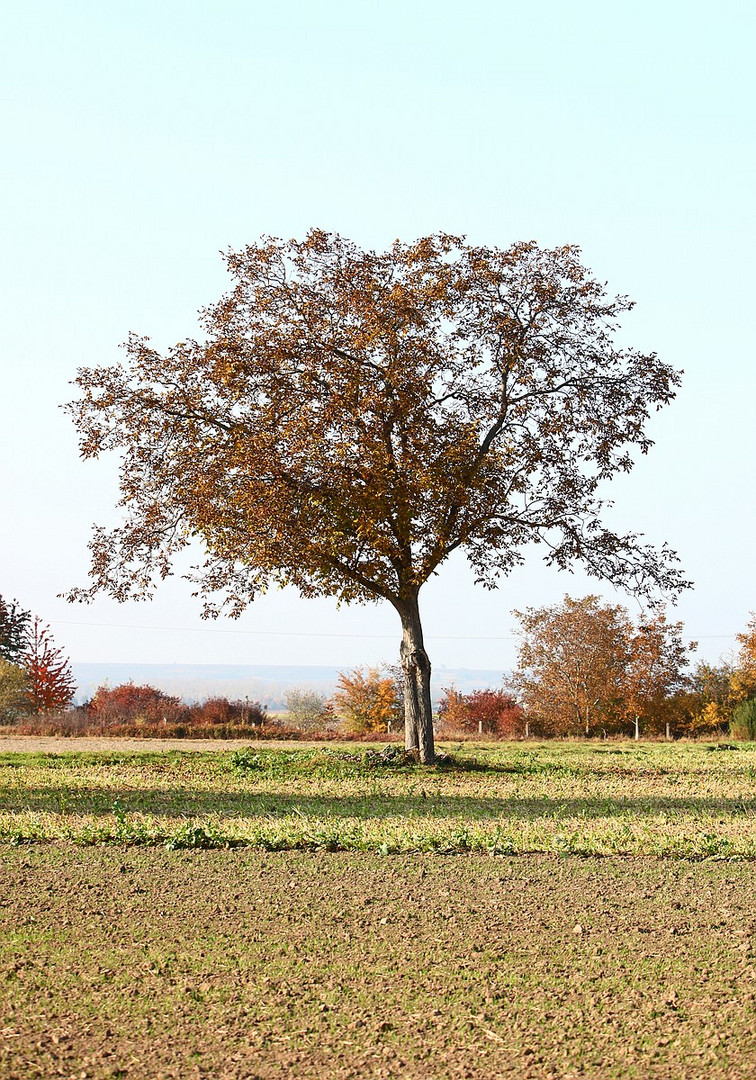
{"type": "Point", "coordinates": [418, 710]}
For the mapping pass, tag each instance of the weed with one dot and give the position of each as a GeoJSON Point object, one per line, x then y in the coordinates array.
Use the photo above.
{"type": "Point", "coordinates": [195, 836]}
{"type": "Point", "coordinates": [393, 757]}
{"type": "Point", "coordinates": [245, 760]}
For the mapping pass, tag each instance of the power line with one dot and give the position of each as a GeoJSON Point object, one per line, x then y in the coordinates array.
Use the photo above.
{"type": "Point", "coordinates": [314, 634]}
{"type": "Point", "coordinates": [265, 633]}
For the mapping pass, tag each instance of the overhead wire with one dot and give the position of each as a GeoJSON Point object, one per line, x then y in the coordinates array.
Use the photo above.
{"type": "Point", "coordinates": [312, 633]}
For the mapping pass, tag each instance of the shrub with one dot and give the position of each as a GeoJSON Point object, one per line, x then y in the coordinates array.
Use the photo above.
{"type": "Point", "coordinates": [308, 710]}
{"type": "Point", "coordinates": [496, 710]}
{"type": "Point", "coordinates": [743, 723]}
{"type": "Point", "coordinates": [128, 703]}
{"type": "Point", "coordinates": [220, 711]}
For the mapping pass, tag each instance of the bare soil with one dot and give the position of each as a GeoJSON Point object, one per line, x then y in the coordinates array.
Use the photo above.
{"type": "Point", "coordinates": [142, 962]}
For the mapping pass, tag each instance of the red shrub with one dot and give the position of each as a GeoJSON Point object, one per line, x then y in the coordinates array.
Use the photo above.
{"type": "Point", "coordinates": [128, 703]}
{"type": "Point", "coordinates": [496, 710]}
{"type": "Point", "coordinates": [219, 710]}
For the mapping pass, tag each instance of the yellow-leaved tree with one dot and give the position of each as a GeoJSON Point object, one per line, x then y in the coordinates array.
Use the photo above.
{"type": "Point", "coordinates": [367, 700]}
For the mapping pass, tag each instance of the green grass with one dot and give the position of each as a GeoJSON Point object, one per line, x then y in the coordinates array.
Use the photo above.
{"type": "Point", "coordinates": [676, 800]}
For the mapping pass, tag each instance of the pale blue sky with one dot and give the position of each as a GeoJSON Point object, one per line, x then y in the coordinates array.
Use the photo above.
{"type": "Point", "coordinates": [138, 140]}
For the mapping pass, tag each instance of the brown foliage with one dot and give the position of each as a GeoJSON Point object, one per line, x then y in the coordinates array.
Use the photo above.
{"type": "Point", "coordinates": [656, 680]}
{"type": "Point", "coordinates": [351, 418]}
{"type": "Point", "coordinates": [571, 661]}
{"type": "Point", "coordinates": [219, 710]}
{"type": "Point", "coordinates": [583, 667]}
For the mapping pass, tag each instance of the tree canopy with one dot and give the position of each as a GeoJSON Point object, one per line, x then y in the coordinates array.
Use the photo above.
{"type": "Point", "coordinates": [571, 664]}
{"type": "Point", "coordinates": [583, 665]}
{"type": "Point", "coordinates": [14, 691]}
{"type": "Point", "coordinates": [350, 418]}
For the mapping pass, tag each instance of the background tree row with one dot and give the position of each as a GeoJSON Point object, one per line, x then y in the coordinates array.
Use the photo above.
{"type": "Point", "coordinates": [585, 667]}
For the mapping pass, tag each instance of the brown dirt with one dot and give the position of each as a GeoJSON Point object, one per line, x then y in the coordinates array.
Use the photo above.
{"type": "Point", "coordinates": [212, 964]}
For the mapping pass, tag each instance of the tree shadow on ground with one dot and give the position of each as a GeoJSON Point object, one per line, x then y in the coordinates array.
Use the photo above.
{"type": "Point", "coordinates": [156, 802]}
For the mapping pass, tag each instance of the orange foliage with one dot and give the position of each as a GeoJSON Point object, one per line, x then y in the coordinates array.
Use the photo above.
{"type": "Point", "coordinates": [368, 701]}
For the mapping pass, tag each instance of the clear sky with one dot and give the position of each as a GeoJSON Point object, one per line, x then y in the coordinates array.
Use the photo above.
{"type": "Point", "coordinates": [140, 139]}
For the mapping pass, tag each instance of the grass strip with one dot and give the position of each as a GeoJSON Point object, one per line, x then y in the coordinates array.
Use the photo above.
{"type": "Point", "coordinates": [681, 801]}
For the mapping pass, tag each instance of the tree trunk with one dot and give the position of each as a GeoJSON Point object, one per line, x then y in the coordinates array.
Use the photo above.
{"type": "Point", "coordinates": [418, 710]}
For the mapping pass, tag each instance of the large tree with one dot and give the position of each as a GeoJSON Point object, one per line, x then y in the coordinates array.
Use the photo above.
{"type": "Point", "coordinates": [350, 418]}
{"type": "Point", "coordinates": [583, 664]}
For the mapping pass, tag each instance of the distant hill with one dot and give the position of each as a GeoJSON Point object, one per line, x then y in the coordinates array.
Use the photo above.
{"type": "Point", "coordinates": [265, 683]}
